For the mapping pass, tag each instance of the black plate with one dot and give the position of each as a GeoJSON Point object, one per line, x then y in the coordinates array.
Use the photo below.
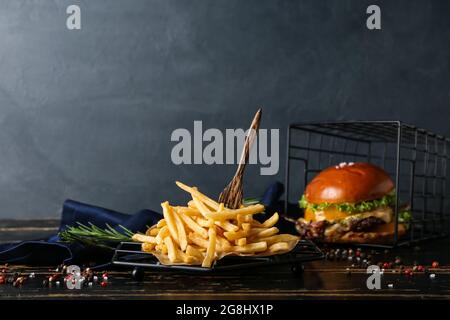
{"type": "Point", "coordinates": [130, 254]}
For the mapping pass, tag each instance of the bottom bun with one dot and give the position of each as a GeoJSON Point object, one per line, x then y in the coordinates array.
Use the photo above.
{"type": "Point", "coordinates": [367, 237]}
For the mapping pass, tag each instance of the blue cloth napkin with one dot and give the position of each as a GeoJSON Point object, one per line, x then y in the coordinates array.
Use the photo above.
{"type": "Point", "coordinates": [51, 251]}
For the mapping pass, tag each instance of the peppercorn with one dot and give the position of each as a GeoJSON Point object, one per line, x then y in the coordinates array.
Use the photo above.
{"type": "Point", "coordinates": [435, 265]}
{"type": "Point", "coordinates": [408, 272]}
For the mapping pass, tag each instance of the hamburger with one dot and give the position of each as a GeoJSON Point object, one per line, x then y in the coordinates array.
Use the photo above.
{"type": "Point", "coordinates": [351, 203]}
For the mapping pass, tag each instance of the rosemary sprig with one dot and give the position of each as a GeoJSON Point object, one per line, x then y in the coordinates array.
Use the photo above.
{"type": "Point", "coordinates": [250, 201]}
{"type": "Point", "coordinates": [92, 235]}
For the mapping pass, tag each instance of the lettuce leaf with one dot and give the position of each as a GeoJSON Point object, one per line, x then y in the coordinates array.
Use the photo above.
{"type": "Point", "coordinates": [364, 206]}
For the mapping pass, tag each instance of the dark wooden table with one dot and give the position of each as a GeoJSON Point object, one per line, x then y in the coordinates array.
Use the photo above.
{"type": "Point", "coordinates": [320, 280]}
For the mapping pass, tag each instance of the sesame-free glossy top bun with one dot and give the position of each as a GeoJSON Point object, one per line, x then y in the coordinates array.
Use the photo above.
{"type": "Point", "coordinates": [353, 182]}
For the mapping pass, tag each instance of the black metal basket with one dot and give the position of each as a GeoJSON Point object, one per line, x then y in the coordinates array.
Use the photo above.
{"type": "Point", "coordinates": [130, 254]}
{"type": "Point", "coordinates": [417, 160]}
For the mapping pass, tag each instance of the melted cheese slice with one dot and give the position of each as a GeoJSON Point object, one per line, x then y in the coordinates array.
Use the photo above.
{"type": "Point", "coordinates": [333, 214]}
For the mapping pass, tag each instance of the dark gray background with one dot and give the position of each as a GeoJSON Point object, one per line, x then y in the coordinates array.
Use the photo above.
{"type": "Point", "coordinates": [88, 114]}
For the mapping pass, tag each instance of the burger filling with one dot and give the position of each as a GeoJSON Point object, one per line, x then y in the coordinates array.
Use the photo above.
{"type": "Point", "coordinates": [329, 220]}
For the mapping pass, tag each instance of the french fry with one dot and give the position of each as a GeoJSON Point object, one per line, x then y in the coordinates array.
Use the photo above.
{"type": "Point", "coordinates": [204, 222]}
{"type": "Point", "coordinates": [148, 247]}
{"type": "Point", "coordinates": [191, 224]}
{"type": "Point", "coordinates": [182, 237]}
{"type": "Point", "coordinates": [256, 223]}
{"type": "Point", "coordinates": [234, 235]}
{"type": "Point", "coordinates": [171, 250]}
{"type": "Point", "coordinates": [188, 211]}
{"type": "Point", "coordinates": [163, 232]}
{"type": "Point", "coordinates": [222, 244]}
{"type": "Point", "coordinates": [271, 221]}
{"type": "Point", "coordinates": [149, 230]}
{"type": "Point", "coordinates": [192, 205]}
{"type": "Point", "coordinates": [210, 251]}
{"type": "Point", "coordinates": [279, 246]}
{"type": "Point", "coordinates": [243, 218]}
{"type": "Point", "coordinates": [198, 240]}
{"type": "Point", "coordinates": [138, 237]}
{"type": "Point", "coordinates": [170, 220]}
{"type": "Point", "coordinates": [226, 214]}
{"type": "Point", "coordinates": [190, 250]}
{"type": "Point", "coordinates": [249, 210]}
{"type": "Point", "coordinates": [161, 223]}
{"type": "Point", "coordinates": [211, 203]}
{"type": "Point", "coordinates": [254, 231]}
{"type": "Point", "coordinates": [241, 242]}
{"type": "Point", "coordinates": [161, 247]}
{"type": "Point", "coordinates": [226, 225]}
{"type": "Point", "coordinates": [152, 232]}
{"type": "Point", "coordinates": [279, 238]}
{"type": "Point", "coordinates": [266, 233]}
{"type": "Point", "coordinates": [251, 247]}
{"type": "Point", "coordinates": [246, 226]}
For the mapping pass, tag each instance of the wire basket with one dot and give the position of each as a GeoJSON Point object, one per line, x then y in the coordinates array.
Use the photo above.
{"type": "Point", "coordinates": [130, 254]}
{"type": "Point", "coordinates": [416, 159]}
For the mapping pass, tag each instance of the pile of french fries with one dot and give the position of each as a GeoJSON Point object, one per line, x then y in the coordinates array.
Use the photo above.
{"type": "Point", "coordinates": [204, 231]}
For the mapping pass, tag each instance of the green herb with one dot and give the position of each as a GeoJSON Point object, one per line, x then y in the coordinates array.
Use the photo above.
{"type": "Point", "coordinates": [94, 236]}
{"type": "Point", "coordinates": [250, 201]}
{"type": "Point", "coordinates": [364, 206]}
